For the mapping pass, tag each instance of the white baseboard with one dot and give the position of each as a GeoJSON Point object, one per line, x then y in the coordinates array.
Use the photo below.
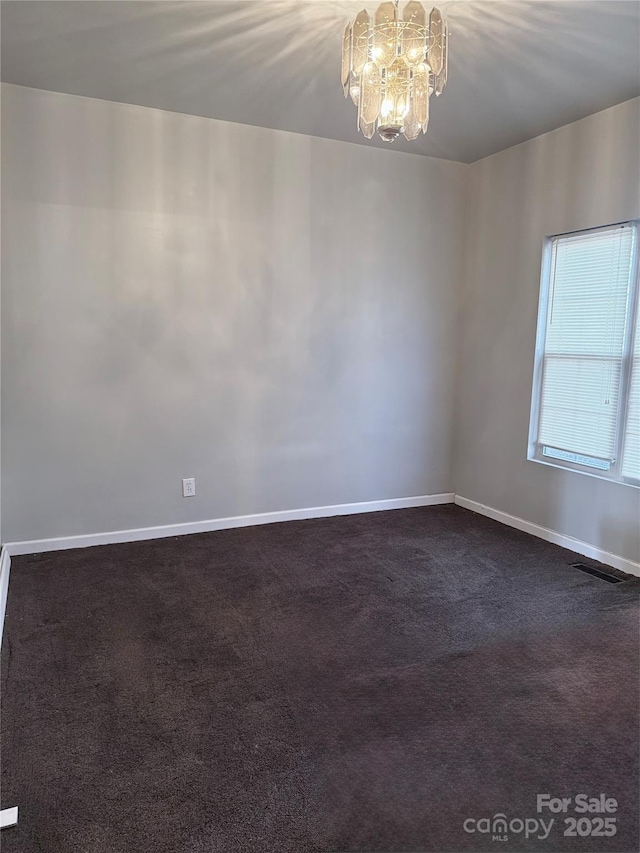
{"type": "Point", "coordinates": [62, 543]}
{"type": "Point", "coordinates": [569, 542]}
{"type": "Point", "coordinates": [5, 567]}
{"type": "Point", "coordinates": [8, 817]}
{"type": "Point", "coordinates": [37, 546]}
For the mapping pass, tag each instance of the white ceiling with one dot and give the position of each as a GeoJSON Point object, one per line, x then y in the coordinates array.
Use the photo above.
{"type": "Point", "coordinates": [517, 68]}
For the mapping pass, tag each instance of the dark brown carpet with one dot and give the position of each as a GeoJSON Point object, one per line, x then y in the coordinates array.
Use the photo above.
{"type": "Point", "coordinates": [363, 683]}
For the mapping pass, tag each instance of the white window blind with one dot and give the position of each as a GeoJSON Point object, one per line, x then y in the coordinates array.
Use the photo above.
{"type": "Point", "coordinates": [582, 367]}
{"type": "Point", "coordinates": [631, 454]}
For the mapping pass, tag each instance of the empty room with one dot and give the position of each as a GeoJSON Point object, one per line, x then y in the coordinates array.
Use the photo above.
{"type": "Point", "coordinates": [320, 426]}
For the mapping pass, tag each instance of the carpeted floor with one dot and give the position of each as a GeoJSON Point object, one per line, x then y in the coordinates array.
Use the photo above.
{"type": "Point", "coordinates": [365, 683]}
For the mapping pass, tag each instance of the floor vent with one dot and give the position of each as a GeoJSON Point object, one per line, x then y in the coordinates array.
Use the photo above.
{"type": "Point", "coordinates": [596, 573]}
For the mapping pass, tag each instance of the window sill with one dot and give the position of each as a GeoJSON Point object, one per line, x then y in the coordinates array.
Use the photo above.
{"type": "Point", "coordinates": [568, 466]}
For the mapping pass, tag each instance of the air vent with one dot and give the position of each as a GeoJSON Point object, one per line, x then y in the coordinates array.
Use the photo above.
{"type": "Point", "coordinates": [596, 573]}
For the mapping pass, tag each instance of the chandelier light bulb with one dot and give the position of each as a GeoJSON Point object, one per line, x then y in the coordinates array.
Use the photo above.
{"type": "Point", "coordinates": [391, 64]}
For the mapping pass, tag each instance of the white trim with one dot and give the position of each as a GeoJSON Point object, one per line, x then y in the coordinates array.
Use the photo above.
{"type": "Point", "coordinates": [8, 817]}
{"type": "Point", "coordinates": [584, 548]}
{"type": "Point", "coordinates": [5, 567]}
{"type": "Point", "coordinates": [62, 543]}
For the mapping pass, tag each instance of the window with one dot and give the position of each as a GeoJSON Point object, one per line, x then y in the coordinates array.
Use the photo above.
{"type": "Point", "coordinates": [585, 412]}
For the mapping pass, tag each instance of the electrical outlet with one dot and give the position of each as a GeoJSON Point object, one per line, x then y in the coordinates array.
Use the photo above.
{"type": "Point", "coordinates": [188, 487]}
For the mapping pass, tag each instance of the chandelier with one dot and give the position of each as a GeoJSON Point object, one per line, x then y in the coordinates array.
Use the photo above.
{"type": "Point", "coordinates": [391, 65]}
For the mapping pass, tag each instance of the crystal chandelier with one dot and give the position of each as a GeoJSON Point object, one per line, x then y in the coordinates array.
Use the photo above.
{"type": "Point", "coordinates": [391, 65]}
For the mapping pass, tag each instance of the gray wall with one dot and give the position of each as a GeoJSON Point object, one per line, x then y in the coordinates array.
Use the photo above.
{"type": "Point", "coordinates": [187, 297]}
{"type": "Point", "coordinates": [582, 175]}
